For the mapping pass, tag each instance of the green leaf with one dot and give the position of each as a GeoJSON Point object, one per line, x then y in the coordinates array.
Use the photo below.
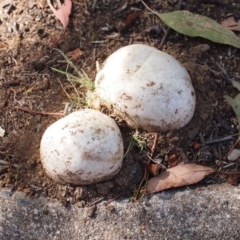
{"type": "Point", "coordinates": [194, 25]}
{"type": "Point", "coordinates": [235, 102]}
{"type": "Point", "coordinates": [236, 85]}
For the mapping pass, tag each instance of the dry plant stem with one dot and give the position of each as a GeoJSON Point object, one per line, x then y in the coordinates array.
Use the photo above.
{"type": "Point", "coordinates": [228, 173]}
{"type": "Point", "coordinates": [146, 173]}
{"type": "Point", "coordinates": [164, 39]}
{"type": "Point", "coordinates": [55, 44]}
{"type": "Point", "coordinates": [218, 140]}
{"type": "Point", "coordinates": [38, 112]}
{"type": "Point", "coordinates": [154, 144]}
{"type": "Point", "coordinates": [6, 99]}
{"type": "Point", "coordinates": [96, 202]}
{"type": "Point", "coordinates": [112, 199]}
{"type": "Point", "coordinates": [123, 7]}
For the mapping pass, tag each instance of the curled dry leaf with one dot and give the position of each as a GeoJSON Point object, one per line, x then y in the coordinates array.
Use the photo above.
{"type": "Point", "coordinates": [181, 175]}
{"type": "Point", "coordinates": [231, 24]}
{"type": "Point", "coordinates": [197, 146]}
{"type": "Point", "coordinates": [233, 179]}
{"type": "Point", "coordinates": [173, 160]}
{"type": "Point", "coordinates": [153, 168]}
{"type": "Point", "coordinates": [63, 11]}
{"type": "Point", "coordinates": [75, 54]}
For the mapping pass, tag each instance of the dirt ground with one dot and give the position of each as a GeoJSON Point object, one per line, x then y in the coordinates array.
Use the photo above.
{"type": "Point", "coordinates": [28, 34]}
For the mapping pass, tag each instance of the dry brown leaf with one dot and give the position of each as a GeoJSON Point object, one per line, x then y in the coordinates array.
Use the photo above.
{"type": "Point", "coordinates": [153, 168]}
{"type": "Point", "coordinates": [231, 24]}
{"type": "Point", "coordinates": [196, 146]}
{"type": "Point", "coordinates": [173, 160]}
{"type": "Point", "coordinates": [75, 54]}
{"type": "Point", "coordinates": [63, 11]}
{"type": "Point", "coordinates": [181, 175]}
{"type": "Point", "coordinates": [198, 50]}
{"type": "Point", "coordinates": [233, 179]}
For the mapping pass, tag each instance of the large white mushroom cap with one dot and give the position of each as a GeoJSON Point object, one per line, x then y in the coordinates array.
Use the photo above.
{"type": "Point", "coordinates": [147, 88]}
{"type": "Point", "coordinates": [82, 148]}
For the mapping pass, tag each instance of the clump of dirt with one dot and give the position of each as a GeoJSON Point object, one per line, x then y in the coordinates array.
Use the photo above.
{"type": "Point", "coordinates": [28, 30]}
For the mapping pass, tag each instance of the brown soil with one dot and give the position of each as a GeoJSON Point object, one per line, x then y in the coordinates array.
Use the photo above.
{"type": "Point", "coordinates": [28, 31]}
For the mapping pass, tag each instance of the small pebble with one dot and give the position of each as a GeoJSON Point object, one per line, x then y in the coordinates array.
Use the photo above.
{"type": "Point", "coordinates": [234, 155]}
{"type": "Point", "coordinates": [35, 211]}
{"type": "Point", "coordinates": [204, 116]}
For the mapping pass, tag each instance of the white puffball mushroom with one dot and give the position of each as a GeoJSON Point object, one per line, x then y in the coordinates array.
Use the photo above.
{"type": "Point", "coordinates": [147, 88]}
{"type": "Point", "coordinates": [85, 147]}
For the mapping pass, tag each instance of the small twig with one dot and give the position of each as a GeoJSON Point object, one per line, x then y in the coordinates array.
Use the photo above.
{"type": "Point", "coordinates": [112, 199]}
{"type": "Point", "coordinates": [222, 69]}
{"type": "Point", "coordinates": [223, 76]}
{"type": "Point", "coordinates": [38, 112]}
{"type": "Point", "coordinates": [229, 165]}
{"type": "Point", "coordinates": [218, 140]}
{"type": "Point", "coordinates": [154, 144]}
{"type": "Point", "coordinates": [164, 39]}
{"type": "Point", "coordinates": [148, 8]}
{"type": "Point", "coordinates": [6, 99]}
{"type": "Point", "coordinates": [228, 173]}
{"type": "Point", "coordinates": [56, 42]}
{"type": "Point", "coordinates": [97, 201]}
{"type": "Point", "coordinates": [202, 139]}
{"type": "Point", "coordinates": [123, 7]}
{"type": "Point", "coordinates": [11, 83]}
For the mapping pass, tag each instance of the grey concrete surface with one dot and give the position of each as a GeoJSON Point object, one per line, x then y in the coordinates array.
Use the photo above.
{"type": "Point", "coordinates": [211, 212]}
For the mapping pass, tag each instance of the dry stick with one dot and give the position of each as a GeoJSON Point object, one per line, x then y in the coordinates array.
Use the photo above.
{"type": "Point", "coordinates": [112, 199]}
{"type": "Point", "coordinates": [228, 173]}
{"type": "Point", "coordinates": [96, 202]}
{"type": "Point", "coordinates": [146, 173]}
{"type": "Point", "coordinates": [6, 99]}
{"type": "Point", "coordinates": [218, 140]}
{"type": "Point", "coordinates": [38, 112]}
{"type": "Point", "coordinates": [56, 42]}
{"type": "Point", "coordinates": [154, 144]}
{"type": "Point", "coordinates": [164, 39]}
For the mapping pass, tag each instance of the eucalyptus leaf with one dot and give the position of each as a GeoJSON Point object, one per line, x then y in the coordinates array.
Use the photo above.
{"type": "Point", "coordinates": [235, 102]}
{"type": "Point", "coordinates": [194, 25]}
{"type": "Point", "coordinates": [236, 85]}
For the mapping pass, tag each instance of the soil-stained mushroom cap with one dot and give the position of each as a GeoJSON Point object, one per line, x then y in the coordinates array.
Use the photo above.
{"type": "Point", "coordinates": [82, 148]}
{"type": "Point", "coordinates": [147, 88]}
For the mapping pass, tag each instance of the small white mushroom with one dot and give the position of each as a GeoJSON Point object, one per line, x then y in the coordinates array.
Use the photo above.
{"type": "Point", "coordinates": [82, 148]}
{"type": "Point", "coordinates": [147, 88]}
